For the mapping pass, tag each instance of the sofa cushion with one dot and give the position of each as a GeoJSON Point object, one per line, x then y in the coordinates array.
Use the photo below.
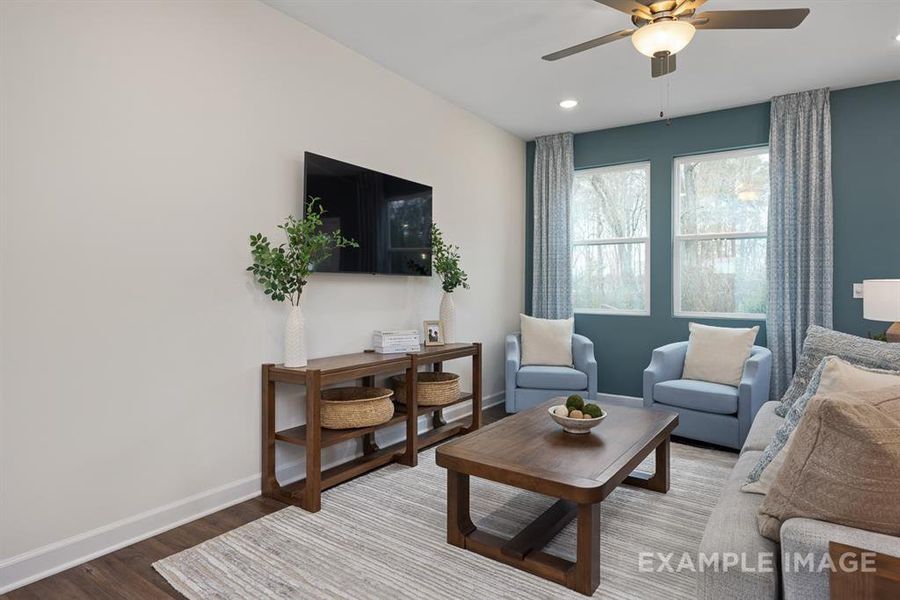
{"type": "Point", "coordinates": [551, 378]}
{"type": "Point", "coordinates": [697, 395]}
{"type": "Point", "coordinates": [821, 342]}
{"type": "Point", "coordinates": [764, 427]}
{"type": "Point", "coordinates": [732, 531]}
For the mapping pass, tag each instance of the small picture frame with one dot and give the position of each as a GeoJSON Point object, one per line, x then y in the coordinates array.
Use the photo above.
{"type": "Point", "coordinates": [433, 333]}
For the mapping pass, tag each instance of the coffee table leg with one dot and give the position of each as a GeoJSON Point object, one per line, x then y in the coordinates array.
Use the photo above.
{"type": "Point", "coordinates": [587, 562]}
{"type": "Point", "coordinates": [659, 481]}
{"type": "Point", "coordinates": [459, 520]}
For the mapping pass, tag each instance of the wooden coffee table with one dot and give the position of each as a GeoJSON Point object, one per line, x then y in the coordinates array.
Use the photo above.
{"type": "Point", "coordinates": [529, 451]}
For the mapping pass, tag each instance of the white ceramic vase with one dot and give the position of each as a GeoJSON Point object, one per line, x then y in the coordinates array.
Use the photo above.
{"type": "Point", "coordinates": [295, 339]}
{"type": "Point", "coordinates": [448, 317]}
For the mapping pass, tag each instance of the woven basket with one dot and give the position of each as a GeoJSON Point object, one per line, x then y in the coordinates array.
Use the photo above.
{"type": "Point", "coordinates": [433, 389]}
{"type": "Point", "coordinates": [351, 407]}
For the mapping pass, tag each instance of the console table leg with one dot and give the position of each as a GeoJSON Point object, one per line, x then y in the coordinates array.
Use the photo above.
{"type": "Point", "coordinates": [411, 459]}
{"type": "Point", "coordinates": [312, 490]}
{"type": "Point", "coordinates": [369, 445]}
{"type": "Point", "coordinates": [476, 387]}
{"type": "Point", "coordinates": [587, 562]}
{"type": "Point", "coordinates": [437, 419]}
{"type": "Point", "coordinates": [269, 481]}
{"type": "Point", "coordinates": [459, 519]}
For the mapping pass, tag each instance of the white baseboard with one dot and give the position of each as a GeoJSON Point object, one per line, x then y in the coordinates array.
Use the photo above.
{"type": "Point", "coordinates": [621, 400]}
{"type": "Point", "coordinates": [36, 564]}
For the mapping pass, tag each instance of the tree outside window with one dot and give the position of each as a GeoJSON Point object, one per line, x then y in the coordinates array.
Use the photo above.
{"type": "Point", "coordinates": [611, 239]}
{"type": "Point", "coordinates": [721, 204]}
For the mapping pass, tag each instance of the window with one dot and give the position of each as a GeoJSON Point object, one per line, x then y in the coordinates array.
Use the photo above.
{"type": "Point", "coordinates": [611, 240]}
{"type": "Point", "coordinates": [721, 206]}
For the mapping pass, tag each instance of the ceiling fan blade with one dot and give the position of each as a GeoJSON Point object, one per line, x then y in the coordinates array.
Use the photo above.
{"type": "Point", "coordinates": [589, 44]}
{"type": "Point", "coordinates": [687, 5]}
{"type": "Point", "coordinates": [629, 7]}
{"type": "Point", "coordinates": [750, 19]}
{"type": "Point", "coordinates": [663, 64]}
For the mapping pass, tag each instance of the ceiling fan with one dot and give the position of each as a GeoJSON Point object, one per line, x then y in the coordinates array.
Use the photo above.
{"type": "Point", "coordinates": [665, 27]}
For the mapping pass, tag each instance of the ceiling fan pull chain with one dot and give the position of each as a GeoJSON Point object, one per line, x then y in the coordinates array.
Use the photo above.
{"type": "Point", "coordinates": [668, 103]}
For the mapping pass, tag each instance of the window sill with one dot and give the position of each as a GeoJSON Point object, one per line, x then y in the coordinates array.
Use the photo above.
{"type": "Point", "coordinates": [613, 313]}
{"type": "Point", "coordinates": [721, 316]}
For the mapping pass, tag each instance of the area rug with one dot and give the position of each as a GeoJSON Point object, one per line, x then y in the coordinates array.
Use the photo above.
{"type": "Point", "coordinates": [383, 536]}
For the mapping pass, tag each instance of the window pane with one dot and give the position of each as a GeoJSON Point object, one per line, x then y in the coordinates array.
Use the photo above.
{"type": "Point", "coordinates": [610, 203]}
{"type": "Point", "coordinates": [723, 275]}
{"type": "Point", "coordinates": [609, 277]}
{"type": "Point", "coordinates": [728, 194]}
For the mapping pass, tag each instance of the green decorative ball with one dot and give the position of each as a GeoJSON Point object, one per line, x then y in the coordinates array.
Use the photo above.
{"type": "Point", "coordinates": [593, 410]}
{"type": "Point", "coordinates": [574, 402]}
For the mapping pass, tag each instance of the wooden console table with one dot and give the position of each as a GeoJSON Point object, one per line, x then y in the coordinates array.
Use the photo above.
{"type": "Point", "coordinates": [362, 367]}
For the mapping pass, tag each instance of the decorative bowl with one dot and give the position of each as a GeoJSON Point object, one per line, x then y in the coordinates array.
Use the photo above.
{"type": "Point", "coordinates": [577, 426]}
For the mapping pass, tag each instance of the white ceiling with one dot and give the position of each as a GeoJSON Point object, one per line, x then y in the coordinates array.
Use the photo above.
{"type": "Point", "coordinates": [485, 56]}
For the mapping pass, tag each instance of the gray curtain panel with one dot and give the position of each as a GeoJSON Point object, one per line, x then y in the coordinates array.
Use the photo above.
{"type": "Point", "coordinates": [800, 260]}
{"type": "Point", "coordinates": [554, 168]}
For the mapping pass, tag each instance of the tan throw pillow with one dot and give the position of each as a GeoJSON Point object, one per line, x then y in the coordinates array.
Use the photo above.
{"type": "Point", "coordinates": [834, 376]}
{"type": "Point", "coordinates": [843, 465]}
{"type": "Point", "coordinates": [718, 354]}
{"type": "Point", "coordinates": [546, 341]}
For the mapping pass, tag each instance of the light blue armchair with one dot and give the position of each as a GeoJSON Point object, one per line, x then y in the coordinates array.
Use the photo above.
{"type": "Point", "coordinates": [529, 385]}
{"type": "Point", "coordinates": [708, 412]}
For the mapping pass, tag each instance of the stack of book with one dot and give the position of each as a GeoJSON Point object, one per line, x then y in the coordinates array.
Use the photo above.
{"type": "Point", "coordinates": [396, 341]}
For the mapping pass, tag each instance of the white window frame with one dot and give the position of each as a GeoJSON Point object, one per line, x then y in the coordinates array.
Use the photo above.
{"type": "Point", "coordinates": [645, 164]}
{"type": "Point", "coordinates": [678, 237]}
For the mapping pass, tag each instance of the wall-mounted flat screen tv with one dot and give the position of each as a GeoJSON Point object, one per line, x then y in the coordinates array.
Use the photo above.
{"type": "Point", "coordinates": [389, 217]}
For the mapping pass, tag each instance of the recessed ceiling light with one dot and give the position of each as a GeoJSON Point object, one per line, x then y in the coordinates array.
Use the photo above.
{"type": "Point", "coordinates": [897, 37]}
{"type": "Point", "coordinates": [568, 104]}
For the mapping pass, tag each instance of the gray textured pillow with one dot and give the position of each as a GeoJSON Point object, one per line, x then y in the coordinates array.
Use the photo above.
{"type": "Point", "coordinates": [834, 376]}
{"type": "Point", "coordinates": [821, 342]}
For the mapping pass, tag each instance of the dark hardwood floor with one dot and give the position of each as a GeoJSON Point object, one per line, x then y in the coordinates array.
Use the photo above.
{"type": "Point", "coordinates": [127, 574]}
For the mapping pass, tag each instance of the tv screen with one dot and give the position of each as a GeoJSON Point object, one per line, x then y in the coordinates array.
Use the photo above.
{"type": "Point", "coordinates": [389, 217]}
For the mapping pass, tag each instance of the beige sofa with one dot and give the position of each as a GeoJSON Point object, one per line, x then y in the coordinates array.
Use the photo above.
{"type": "Point", "coordinates": [732, 531]}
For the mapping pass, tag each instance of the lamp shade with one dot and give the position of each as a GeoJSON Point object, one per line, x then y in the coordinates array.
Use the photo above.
{"type": "Point", "coordinates": [881, 299]}
{"type": "Point", "coordinates": [663, 36]}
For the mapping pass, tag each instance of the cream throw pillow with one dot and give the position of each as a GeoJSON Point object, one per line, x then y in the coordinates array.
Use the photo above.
{"type": "Point", "coordinates": [718, 354]}
{"type": "Point", "coordinates": [840, 376]}
{"type": "Point", "coordinates": [546, 341]}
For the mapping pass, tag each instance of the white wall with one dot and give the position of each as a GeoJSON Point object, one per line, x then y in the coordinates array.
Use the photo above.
{"type": "Point", "coordinates": [142, 142]}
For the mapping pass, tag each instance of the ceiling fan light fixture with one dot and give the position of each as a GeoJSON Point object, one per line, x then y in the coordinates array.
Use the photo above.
{"type": "Point", "coordinates": [663, 36]}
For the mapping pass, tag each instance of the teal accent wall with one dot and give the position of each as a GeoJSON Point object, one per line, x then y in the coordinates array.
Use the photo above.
{"type": "Point", "coordinates": [865, 167]}
{"type": "Point", "coordinates": [866, 174]}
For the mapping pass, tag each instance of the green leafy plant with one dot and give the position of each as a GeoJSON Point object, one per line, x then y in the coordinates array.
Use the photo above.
{"type": "Point", "coordinates": [445, 260]}
{"type": "Point", "coordinates": [283, 270]}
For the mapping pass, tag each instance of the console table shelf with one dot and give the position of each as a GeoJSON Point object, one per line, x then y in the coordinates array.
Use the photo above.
{"type": "Point", "coordinates": [348, 368]}
{"type": "Point", "coordinates": [426, 410]}
{"type": "Point", "coordinates": [330, 437]}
